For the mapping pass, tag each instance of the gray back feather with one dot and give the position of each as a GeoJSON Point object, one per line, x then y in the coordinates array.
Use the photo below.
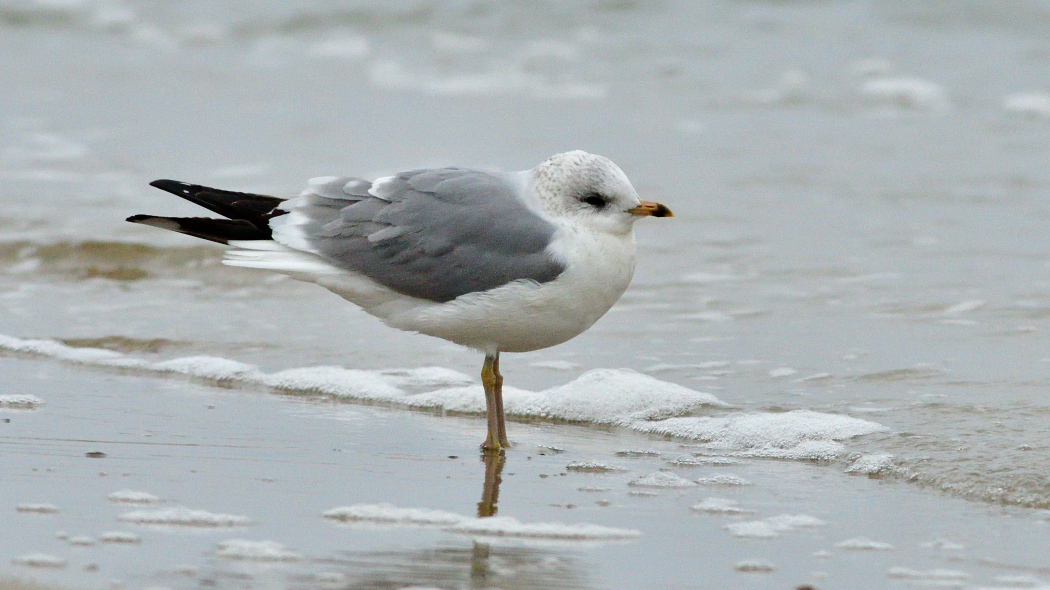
{"type": "Point", "coordinates": [433, 234]}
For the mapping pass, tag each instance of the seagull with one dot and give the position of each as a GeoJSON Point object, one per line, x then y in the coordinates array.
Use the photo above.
{"type": "Point", "coordinates": [494, 261]}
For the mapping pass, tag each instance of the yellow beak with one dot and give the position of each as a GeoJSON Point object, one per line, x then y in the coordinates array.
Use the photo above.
{"type": "Point", "coordinates": [651, 208]}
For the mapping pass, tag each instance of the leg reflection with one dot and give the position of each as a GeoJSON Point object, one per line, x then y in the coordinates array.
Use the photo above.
{"type": "Point", "coordinates": [490, 493]}
{"type": "Point", "coordinates": [479, 566]}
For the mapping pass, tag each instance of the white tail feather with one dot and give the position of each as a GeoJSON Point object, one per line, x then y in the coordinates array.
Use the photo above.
{"type": "Point", "coordinates": [280, 260]}
{"type": "Point", "coordinates": [268, 245]}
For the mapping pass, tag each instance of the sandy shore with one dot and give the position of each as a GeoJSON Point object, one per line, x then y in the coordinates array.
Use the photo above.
{"type": "Point", "coordinates": [196, 484]}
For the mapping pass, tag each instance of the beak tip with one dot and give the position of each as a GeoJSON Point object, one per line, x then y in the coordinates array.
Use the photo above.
{"type": "Point", "coordinates": [651, 209]}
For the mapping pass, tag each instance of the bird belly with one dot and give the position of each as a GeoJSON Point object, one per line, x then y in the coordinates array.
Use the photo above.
{"type": "Point", "coordinates": [524, 315]}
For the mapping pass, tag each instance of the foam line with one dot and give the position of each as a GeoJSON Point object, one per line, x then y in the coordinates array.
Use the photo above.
{"type": "Point", "coordinates": [499, 526]}
{"type": "Point", "coordinates": [618, 397]}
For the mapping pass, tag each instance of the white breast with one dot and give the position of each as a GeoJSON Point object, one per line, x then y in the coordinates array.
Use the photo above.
{"type": "Point", "coordinates": [525, 315]}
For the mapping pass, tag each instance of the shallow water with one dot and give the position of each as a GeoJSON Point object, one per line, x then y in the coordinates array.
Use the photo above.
{"type": "Point", "coordinates": [860, 191]}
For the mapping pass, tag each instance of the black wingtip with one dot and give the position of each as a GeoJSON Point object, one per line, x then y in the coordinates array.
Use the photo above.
{"type": "Point", "coordinates": [137, 218]}
{"type": "Point", "coordinates": [173, 186]}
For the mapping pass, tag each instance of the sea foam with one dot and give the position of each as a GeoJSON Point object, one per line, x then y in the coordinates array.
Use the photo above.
{"type": "Point", "coordinates": [502, 526]}
{"type": "Point", "coordinates": [800, 434]}
{"type": "Point", "coordinates": [616, 397]}
{"type": "Point", "coordinates": [773, 526]}
{"type": "Point", "coordinates": [662, 479]}
{"type": "Point", "coordinates": [20, 401]}
{"type": "Point", "coordinates": [37, 508]}
{"type": "Point", "coordinates": [601, 396]}
{"type": "Point", "coordinates": [132, 497]}
{"type": "Point", "coordinates": [244, 550]}
{"type": "Point", "coordinates": [184, 517]}
{"type": "Point", "coordinates": [40, 560]}
{"type": "Point", "coordinates": [121, 537]}
{"type": "Point", "coordinates": [913, 93]}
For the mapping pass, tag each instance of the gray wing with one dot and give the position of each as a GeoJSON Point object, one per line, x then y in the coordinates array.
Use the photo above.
{"type": "Point", "coordinates": [433, 234]}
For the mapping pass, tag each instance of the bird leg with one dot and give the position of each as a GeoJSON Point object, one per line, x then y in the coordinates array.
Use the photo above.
{"type": "Point", "coordinates": [501, 419]}
{"type": "Point", "coordinates": [488, 380]}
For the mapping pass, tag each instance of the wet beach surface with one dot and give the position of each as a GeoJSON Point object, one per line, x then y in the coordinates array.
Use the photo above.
{"type": "Point", "coordinates": [281, 462]}
{"type": "Point", "coordinates": [857, 267]}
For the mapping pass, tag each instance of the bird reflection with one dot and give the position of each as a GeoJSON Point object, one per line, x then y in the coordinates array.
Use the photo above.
{"type": "Point", "coordinates": [479, 565]}
{"type": "Point", "coordinates": [490, 493]}
{"type": "Point", "coordinates": [510, 566]}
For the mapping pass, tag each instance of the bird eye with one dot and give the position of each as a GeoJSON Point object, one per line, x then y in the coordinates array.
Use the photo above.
{"type": "Point", "coordinates": [594, 200]}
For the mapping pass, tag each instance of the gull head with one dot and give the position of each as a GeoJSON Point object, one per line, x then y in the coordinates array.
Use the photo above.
{"type": "Point", "coordinates": [590, 190]}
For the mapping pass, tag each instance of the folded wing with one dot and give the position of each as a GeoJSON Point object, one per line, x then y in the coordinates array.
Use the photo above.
{"type": "Point", "coordinates": [432, 234]}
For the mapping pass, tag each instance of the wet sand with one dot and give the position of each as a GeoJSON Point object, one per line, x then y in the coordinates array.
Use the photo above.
{"type": "Point", "coordinates": [283, 461]}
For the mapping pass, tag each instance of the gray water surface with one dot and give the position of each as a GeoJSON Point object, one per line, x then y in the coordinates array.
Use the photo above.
{"type": "Point", "coordinates": [861, 198]}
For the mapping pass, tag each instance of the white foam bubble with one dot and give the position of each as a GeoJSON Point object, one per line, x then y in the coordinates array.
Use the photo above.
{"type": "Point", "coordinates": [720, 506]}
{"type": "Point", "coordinates": [800, 434]}
{"type": "Point", "coordinates": [913, 93]}
{"type": "Point", "coordinates": [662, 479]}
{"type": "Point", "coordinates": [425, 378]}
{"type": "Point", "coordinates": [505, 526]}
{"type": "Point", "coordinates": [464, 400]}
{"type": "Point", "coordinates": [82, 541]}
{"type": "Point", "coordinates": [57, 350]}
{"type": "Point", "coordinates": [754, 566]}
{"type": "Point", "coordinates": [40, 560]}
{"type": "Point", "coordinates": [944, 545]}
{"type": "Point", "coordinates": [337, 382]}
{"type": "Point", "coordinates": [637, 453]}
{"type": "Point", "coordinates": [241, 549]}
{"type": "Point", "coordinates": [814, 377]}
{"type": "Point", "coordinates": [345, 46]}
{"type": "Point", "coordinates": [870, 465]}
{"type": "Point", "coordinates": [184, 517]}
{"type": "Point", "coordinates": [613, 396]}
{"type": "Point", "coordinates": [1029, 104]}
{"type": "Point", "coordinates": [126, 496]}
{"type": "Point", "coordinates": [592, 467]}
{"type": "Point", "coordinates": [933, 575]}
{"type": "Point", "coordinates": [773, 526]}
{"type": "Point", "coordinates": [37, 508]}
{"type": "Point", "coordinates": [864, 544]}
{"type": "Point", "coordinates": [1020, 582]}
{"type": "Point", "coordinates": [695, 461]}
{"type": "Point", "coordinates": [754, 529]}
{"type": "Point", "coordinates": [723, 479]}
{"type": "Point", "coordinates": [119, 537]}
{"type": "Point", "coordinates": [964, 306]}
{"type": "Point", "coordinates": [208, 367]}
{"type": "Point", "coordinates": [20, 401]}
{"type": "Point", "coordinates": [390, 514]}
{"type": "Point", "coordinates": [708, 316]}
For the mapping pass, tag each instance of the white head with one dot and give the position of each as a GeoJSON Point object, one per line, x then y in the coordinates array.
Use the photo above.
{"type": "Point", "coordinates": [591, 190]}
